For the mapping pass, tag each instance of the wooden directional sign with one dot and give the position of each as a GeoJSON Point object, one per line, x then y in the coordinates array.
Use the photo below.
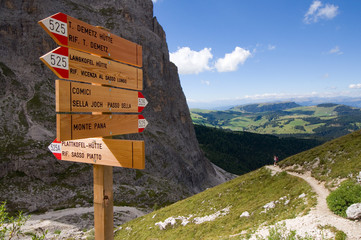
{"type": "Point", "coordinates": [75, 65]}
{"type": "Point", "coordinates": [75, 126]}
{"type": "Point", "coordinates": [71, 32]}
{"type": "Point", "coordinates": [110, 152]}
{"type": "Point", "coordinates": [80, 97]}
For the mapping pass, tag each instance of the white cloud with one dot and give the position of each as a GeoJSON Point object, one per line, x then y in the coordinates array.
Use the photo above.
{"type": "Point", "coordinates": [335, 50]}
{"type": "Point", "coordinates": [206, 82]}
{"type": "Point", "coordinates": [326, 75]}
{"type": "Point", "coordinates": [271, 47]}
{"type": "Point", "coordinates": [318, 10]}
{"type": "Point", "coordinates": [154, 1]}
{"type": "Point", "coordinates": [231, 60]}
{"type": "Point", "coordinates": [191, 62]}
{"type": "Point", "coordinates": [328, 12]}
{"type": "Point", "coordinates": [355, 86]}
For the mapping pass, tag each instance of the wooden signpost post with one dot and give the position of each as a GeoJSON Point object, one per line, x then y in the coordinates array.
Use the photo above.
{"type": "Point", "coordinates": [77, 133]}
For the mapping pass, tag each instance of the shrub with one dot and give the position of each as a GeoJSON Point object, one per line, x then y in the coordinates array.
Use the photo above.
{"type": "Point", "coordinates": [347, 194]}
{"type": "Point", "coordinates": [10, 227]}
{"type": "Point", "coordinates": [340, 235]}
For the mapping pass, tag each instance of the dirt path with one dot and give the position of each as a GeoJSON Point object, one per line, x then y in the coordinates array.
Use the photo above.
{"type": "Point", "coordinates": [321, 215]}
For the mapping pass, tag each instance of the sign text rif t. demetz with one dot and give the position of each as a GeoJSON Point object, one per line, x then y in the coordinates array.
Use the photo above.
{"type": "Point", "coordinates": [71, 32]}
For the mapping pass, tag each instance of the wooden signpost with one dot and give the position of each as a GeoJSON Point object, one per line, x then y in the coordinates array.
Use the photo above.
{"type": "Point", "coordinates": [80, 97]}
{"type": "Point", "coordinates": [75, 131]}
{"type": "Point", "coordinates": [73, 33]}
{"type": "Point", "coordinates": [76, 126]}
{"type": "Point", "coordinates": [109, 152]}
{"type": "Point", "coordinates": [79, 66]}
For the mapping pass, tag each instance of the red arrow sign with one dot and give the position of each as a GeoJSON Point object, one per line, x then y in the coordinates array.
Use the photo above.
{"type": "Point", "coordinates": [100, 151]}
{"type": "Point", "coordinates": [71, 32]}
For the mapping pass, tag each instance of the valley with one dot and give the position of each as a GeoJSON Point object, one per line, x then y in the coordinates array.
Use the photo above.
{"type": "Point", "coordinates": [323, 121]}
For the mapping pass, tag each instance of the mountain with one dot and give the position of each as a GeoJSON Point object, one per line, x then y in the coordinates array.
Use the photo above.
{"type": "Point", "coordinates": [243, 152]}
{"type": "Point", "coordinates": [265, 107]}
{"type": "Point", "coordinates": [325, 121]}
{"type": "Point", "coordinates": [31, 178]}
{"type": "Point", "coordinates": [264, 201]}
{"type": "Point", "coordinates": [353, 101]}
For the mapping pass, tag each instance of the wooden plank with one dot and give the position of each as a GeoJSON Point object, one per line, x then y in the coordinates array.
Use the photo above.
{"type": "Point", "coordinates": [76, 126]}
{"type": "Point", "coordinates": [100, 151]}
{"type": "Point", "coordinates": [80, 97]}
{"type": "Point", "coordinates": [103, 202]}
{"type": "Point", "coordinates": [79, 66]}
{"type": "Point", "coordinates": [71, 32]}
{"type": "Point", "coordinates": [139, 155]}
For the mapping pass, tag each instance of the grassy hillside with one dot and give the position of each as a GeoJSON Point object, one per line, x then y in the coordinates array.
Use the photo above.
{"type": "Point", "coordinates": [242, 152]}
{"type": "Point", "coordinates": [215, 213]}
{"type": "Point", "coordinates": [332, 161]}
{"type": "Point", "coordinates": [323, 121]}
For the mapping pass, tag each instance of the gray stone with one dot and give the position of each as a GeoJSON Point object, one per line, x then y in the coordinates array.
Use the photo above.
{"type": "Point", "coordinates": [244, 214]}
{"type": "Point", "coordinates": [354, 211]}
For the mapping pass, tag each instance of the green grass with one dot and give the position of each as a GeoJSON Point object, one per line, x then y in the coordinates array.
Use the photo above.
{"type": "Point", "coordinates": [331, 161]}
{"type": "Point", "coordinates": [249, 192]}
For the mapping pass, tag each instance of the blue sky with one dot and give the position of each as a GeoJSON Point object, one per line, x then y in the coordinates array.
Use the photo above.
{"type": "Point", "coordinates": [263, 50]}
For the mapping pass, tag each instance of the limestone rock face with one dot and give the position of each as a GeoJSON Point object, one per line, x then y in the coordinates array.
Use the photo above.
{"type": "Point", "coordinates": [30, 177]}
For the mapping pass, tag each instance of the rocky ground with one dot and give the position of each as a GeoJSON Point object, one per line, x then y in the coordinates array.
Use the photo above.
{"type": "Point", "coordinates": [74, 223]}
{"type": "Point", "coordinates": [319, 216]}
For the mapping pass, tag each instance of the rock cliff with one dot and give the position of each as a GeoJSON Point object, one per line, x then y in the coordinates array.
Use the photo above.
{"type": "Point", "coordinates": [30, 177]}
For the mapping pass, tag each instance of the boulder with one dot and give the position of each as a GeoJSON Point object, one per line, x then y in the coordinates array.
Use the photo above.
{"type": "Point", "coordinates": [354, 211]}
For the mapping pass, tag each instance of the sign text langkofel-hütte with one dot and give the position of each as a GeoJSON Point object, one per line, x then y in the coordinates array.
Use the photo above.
{"type": "Point", "coordinates": [71, 64]}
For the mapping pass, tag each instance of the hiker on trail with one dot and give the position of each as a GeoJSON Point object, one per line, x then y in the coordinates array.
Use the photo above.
{"type": "Point", "coordinates": [275, 160]}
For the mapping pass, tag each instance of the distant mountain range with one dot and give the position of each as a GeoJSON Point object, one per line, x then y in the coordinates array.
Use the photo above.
{"type": "Point", "coordinates": [304, 101]}
{"type": "Point", "coordinates": [323, 121]}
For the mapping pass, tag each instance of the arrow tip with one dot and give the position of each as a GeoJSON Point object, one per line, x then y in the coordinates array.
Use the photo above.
{"type": "Point", "coordinates": [55, 148]}
{"type": "Point", "coordinates": [142, 123]}
{"type": "Point", "coordinates": [142, 102]}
